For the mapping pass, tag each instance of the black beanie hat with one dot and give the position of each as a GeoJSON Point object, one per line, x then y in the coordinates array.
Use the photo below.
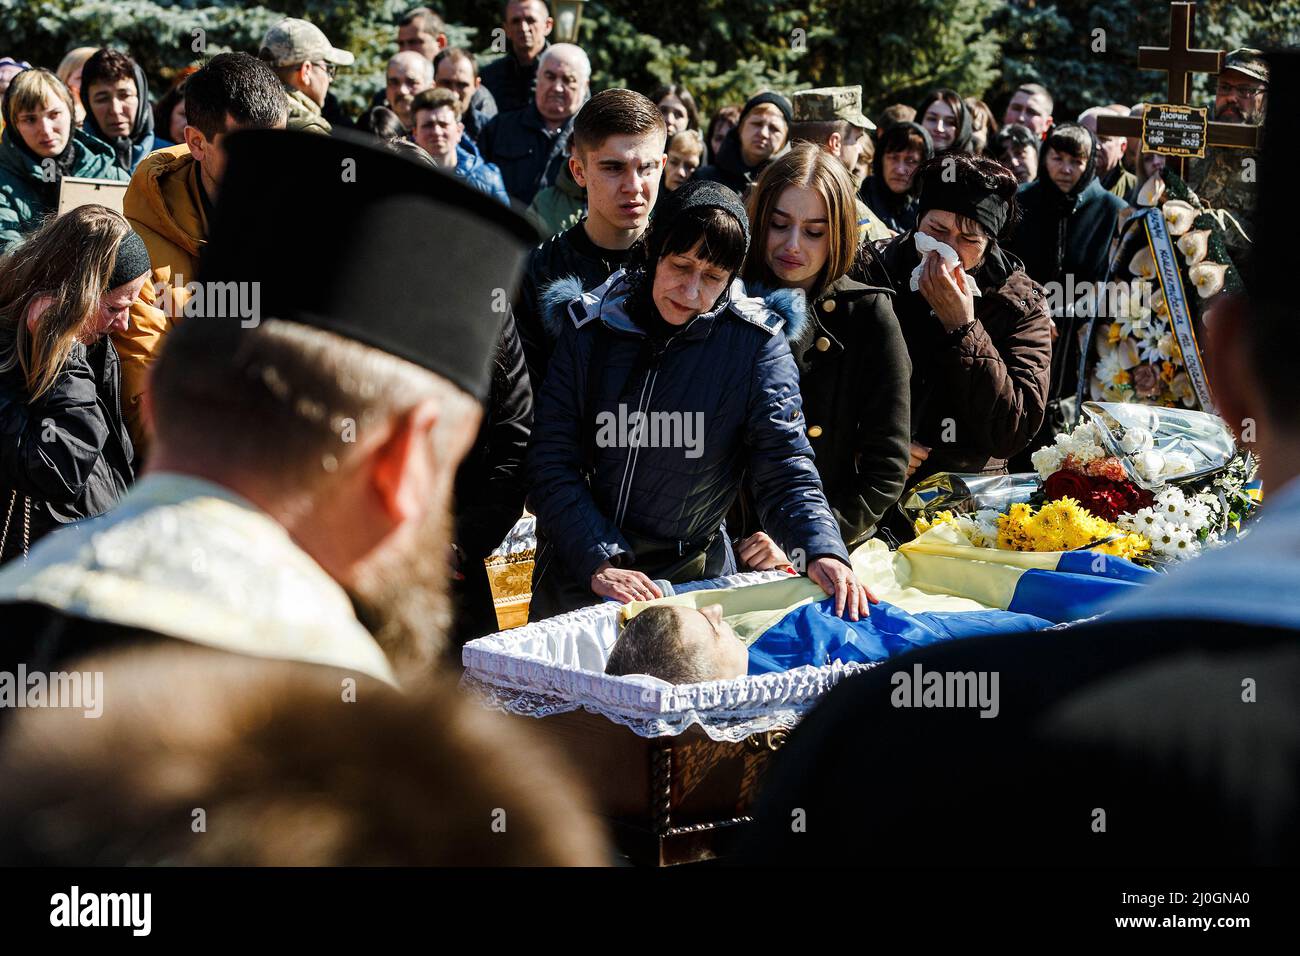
{"type": "Point", "coordinates": [770, 97]}
{"type": "Point", "coordinates": [132, 260]}
{"type": "Point", "coordinates": [695, 194]}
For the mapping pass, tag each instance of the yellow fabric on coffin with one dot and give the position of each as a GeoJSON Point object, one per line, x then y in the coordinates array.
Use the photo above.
{"type": "Point", "coordinates": [753, 609]}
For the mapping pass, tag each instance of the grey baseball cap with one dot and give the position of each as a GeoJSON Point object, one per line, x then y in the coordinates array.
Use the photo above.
{"type": "Point", "coordinates": [293, 41]}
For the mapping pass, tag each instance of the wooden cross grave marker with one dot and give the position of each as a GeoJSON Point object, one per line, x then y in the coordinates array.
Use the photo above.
{"type": "Point", "coordinates": [1180, 61]}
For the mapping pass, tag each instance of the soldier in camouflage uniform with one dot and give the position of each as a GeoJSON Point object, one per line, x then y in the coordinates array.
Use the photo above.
{"type": "Point", "coordinates": [1224, 180]}
{"type": "Point", "coordinates": [305, 60]}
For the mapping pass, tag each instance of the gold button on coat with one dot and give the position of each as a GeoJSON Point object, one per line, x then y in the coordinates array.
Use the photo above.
{"type": "Point", "coordinates": [828, 305]}
{"type": "Point", "coordinates": [815, 431]}
{"type": "Point", "coordinates": [822, 343]}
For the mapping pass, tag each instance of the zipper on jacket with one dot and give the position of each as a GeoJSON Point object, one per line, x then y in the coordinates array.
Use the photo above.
{"type": "Point", "coordinates": [629, 469]}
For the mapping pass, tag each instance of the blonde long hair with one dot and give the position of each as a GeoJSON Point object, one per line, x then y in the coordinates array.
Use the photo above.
{"type": "Point", "coordinates": [811, 167]}
{"type": "Point", "coordinates": [69, 259]}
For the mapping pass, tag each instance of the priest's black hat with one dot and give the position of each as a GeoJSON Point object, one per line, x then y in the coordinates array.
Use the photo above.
{"type": "Point", "coordinates": [346, 236]}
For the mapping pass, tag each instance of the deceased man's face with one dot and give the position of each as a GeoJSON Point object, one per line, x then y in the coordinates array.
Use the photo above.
{"type": "Point", "coordinates": [707, 635]}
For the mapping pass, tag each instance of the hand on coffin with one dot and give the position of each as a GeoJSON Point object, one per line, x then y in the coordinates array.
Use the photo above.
{"type": "Point", "coordinates": [838, 581]}
{"type": "Point", "coordinates": [623, 584]}
{"type": "Point", "coordinates": [759, 552]}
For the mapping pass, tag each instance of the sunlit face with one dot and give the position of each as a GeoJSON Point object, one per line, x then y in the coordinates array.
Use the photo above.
{"type": "Point", "coordinates": [411, 38]}
{"type": "Point", "coordinates": [319, 77]}
{"type": "Point", "coordinates": [674, 114]}
{"type": "Point", "coordinates": [851, 146]}
{"type": "Point", "coordinates": [46, 130]}
{"type": "Point", "coordinates": [527, 27]}
{"type": "Point", "coordinates": [1063, 170]}
{"type": "Point", "coordinates": [437, 132]}
{"type": "Point", "coordinates": [898, 168]}
{"type": "Point", "coordinates": [114, 314]}
{"type": "Point", "coordinates": [706, 636]}
{"type": "Point", "coordinates": [941, 122]}
{"type": "Point", "coordinates": [1239, 98]}
{"type": "Point", "coordinates": [966, 238]}
{"type": "Point", "coordinates": [686, 285]}
{"type": "Point", "coordinates": [561, 87]}
{"type": "Point", "coordinates": [621, 177]}
{"type": "Point", "coordinates": [114, 106]}
{"type": "Point", "coordinates": [1028, 109]}
{"type": "Point", "coordinates": [407, 75]}
{"type": "Point", "coordinates": [762, 134]}
{"type": "Point", "coordinates": [457, 75]}
{"type": "Point", "coordinates": [798, 242]}
{"type": "Point", "coordinates": [1110, 149]}
{"type": "Point", "coordinates": [210, 154]}
{"type": "Point", "coordinates": [682, 164]}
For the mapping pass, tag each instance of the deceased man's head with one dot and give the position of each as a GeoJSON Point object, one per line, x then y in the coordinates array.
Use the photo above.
{"type": "Point", "coordinates": [681, 645]}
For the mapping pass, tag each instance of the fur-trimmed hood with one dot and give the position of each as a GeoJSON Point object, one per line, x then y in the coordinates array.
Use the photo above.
{"type": "Point", "coordinates": [564, 299]}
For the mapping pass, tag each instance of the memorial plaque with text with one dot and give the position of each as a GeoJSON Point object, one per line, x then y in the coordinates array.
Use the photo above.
{"type": "Point", "coordinates": [1174, 130]}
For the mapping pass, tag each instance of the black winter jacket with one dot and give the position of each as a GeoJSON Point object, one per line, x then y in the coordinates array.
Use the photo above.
{"type": "Point", "coordinates": [68, 452]}
{"type": "Point", "coordinates": [729, 373]}
{"type": "Point", "coordinates": [566, 255]}
{"type": "Point", "coordinates": [854, 375]}
{"type": "Point", "coordinates": [978, 397]}
{"type": "Point", "coordinates": [490, 484]}
{"type": "Point", "coordinates": [528, 155]}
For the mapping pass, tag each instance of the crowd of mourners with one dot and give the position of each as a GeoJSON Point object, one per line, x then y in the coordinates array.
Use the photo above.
{"type": "Point", "coordinates": [757, 267]}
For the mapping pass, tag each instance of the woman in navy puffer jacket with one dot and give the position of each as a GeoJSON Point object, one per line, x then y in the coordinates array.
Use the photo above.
{"type": "Point", "coordinates": [667, 383]}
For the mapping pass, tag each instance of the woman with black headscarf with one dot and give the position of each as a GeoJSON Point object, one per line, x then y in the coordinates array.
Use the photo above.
{"type": "Point", "coordinates": [947, 119]}
{"type": "Point", "coordinates": [115, 92]}
{"type": "Point", "coordinates": [667, 384]}
{"type": "Point", "coordinates": [976, 324]}
{"type": "Point", "coordinates": [890, 191]}
{"type": "Point", "coordinates": [761, 133]}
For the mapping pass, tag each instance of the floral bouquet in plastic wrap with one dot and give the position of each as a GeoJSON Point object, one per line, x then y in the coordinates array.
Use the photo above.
{"type": "Point", "coordinates": [1143, 482]}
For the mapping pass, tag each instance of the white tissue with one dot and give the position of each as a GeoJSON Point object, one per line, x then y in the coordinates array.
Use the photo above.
{"type": "Point", "coordinates": [926, 244]}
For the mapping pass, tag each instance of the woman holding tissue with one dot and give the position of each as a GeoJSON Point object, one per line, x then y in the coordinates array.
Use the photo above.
{"type": "Point", "coordinates": [977, 327]}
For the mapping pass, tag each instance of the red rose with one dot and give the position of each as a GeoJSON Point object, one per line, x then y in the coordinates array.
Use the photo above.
{"type": "Point", "coordinates": [1067, 484]}
{"type": "Point", "coordinates": [1135, 498]}
{"type": "Point", "coordinates": [1105, 502]}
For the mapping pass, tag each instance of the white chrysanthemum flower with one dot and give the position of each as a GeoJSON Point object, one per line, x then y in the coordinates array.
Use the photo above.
{"type": "Point", "coordinates": [1143, 521]}
{"type": "Point", "coordinates": [1047, 460]}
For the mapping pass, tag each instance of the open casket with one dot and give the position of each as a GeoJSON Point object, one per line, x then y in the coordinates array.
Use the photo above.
{"type": "Point", "coordinates": [676, 769]}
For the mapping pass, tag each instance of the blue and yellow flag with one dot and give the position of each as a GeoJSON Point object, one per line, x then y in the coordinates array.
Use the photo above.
{"type": "Point", "coordinates": [936, 588]}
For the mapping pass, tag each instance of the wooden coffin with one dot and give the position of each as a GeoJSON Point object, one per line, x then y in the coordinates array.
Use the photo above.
{"type": "Point", "coordinates": [669, 800]}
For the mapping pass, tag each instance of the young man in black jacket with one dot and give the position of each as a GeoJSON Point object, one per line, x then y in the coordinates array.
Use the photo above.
{"type": "Point", "coordinates": [618, 157]}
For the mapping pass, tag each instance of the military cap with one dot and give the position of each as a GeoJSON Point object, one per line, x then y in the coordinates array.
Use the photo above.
{"type": "Point", "coordinates": [829, 103]}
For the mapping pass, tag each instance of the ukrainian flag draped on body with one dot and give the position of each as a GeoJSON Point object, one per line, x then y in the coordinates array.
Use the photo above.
{"type": "Point", "coordinates": [936, 588]}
